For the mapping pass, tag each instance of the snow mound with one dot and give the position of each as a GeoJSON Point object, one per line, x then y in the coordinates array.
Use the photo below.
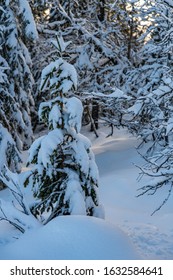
{"type": "Point", "coordinates": [72, 238]}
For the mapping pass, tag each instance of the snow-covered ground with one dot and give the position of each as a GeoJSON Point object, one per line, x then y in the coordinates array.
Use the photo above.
{"type": "Point", "coordinates": [151, 235]}
{"type": "Point", "coordinates": [128, 232]}
{"type": "Point", "coordinates": [72, 238]}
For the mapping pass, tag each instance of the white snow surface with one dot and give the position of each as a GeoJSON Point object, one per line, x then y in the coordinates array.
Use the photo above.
{"type": "Point", "coordinates": [128, 231]}
{"type": "Point", "coordinates": [30, 28]}
{"type": "Point", "coordinates": [74, 109]}
{"type": "Point", "coordinates": [151, 235]}
{"type": "Point", "coordinates": [69, 238]}
{"type": "Point", "coordinates": [68, 75]}
{"type": "Point", "coordinates": [170, 2]}
{"type": "Point", "coordinates": [74, 194]}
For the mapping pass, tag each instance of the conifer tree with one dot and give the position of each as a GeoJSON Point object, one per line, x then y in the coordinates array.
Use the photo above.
{"type": "Point", "coordinates": [9, 153]}
{"type": "Point", "coordinates": [17, 30]}
{"type": "Point", "coordinates": [65, 175]}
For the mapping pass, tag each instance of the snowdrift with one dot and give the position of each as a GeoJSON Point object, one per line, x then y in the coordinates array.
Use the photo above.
{"type": "Point", "coordinates": [71, 238]}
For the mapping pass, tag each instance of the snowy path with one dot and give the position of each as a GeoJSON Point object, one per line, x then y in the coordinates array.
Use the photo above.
{"type": "Point", "coordinates": [152, 235]}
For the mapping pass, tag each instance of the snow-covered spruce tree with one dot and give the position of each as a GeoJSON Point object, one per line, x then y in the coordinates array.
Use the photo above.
{"type": "Point", "coordinates": [17, 30]}
{"type": "Point", "coordinates": [8, 150]}
{"type": "Point", "coordinates": [9, 154]}
{"type": "Point", "coordinates": [64, 177]}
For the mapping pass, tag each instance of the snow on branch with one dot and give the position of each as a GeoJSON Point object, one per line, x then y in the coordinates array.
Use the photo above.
{"type": "Point", "coordinates": [15, 211]}
{"type": "Point", "coordinates": [159, 169]}
{"type": "Point", "coordinates": [59, 43]}
{"type": "Point", "coordinates": [59, 72]}
{"type": "Point", "coordinates": [26, 13]}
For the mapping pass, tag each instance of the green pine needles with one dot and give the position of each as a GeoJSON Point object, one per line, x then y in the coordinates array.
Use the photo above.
{"type": "Point", "coordinates": [64, 176]}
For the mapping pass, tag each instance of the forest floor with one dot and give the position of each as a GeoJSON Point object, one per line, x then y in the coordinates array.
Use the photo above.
{"type": "Point", "coordinates": [116, 157]}
{"type": "Point", "coordinates": [151, 236]}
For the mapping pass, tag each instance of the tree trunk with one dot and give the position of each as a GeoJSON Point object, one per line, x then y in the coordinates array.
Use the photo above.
{"type": "Point", "coordinates": [101, 15]}
{"type": "Point", "coordinates": [95, 115]}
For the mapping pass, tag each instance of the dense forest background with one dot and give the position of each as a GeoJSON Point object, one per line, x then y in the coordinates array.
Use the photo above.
{"type": "Point", "coordinates": [122, 52]}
